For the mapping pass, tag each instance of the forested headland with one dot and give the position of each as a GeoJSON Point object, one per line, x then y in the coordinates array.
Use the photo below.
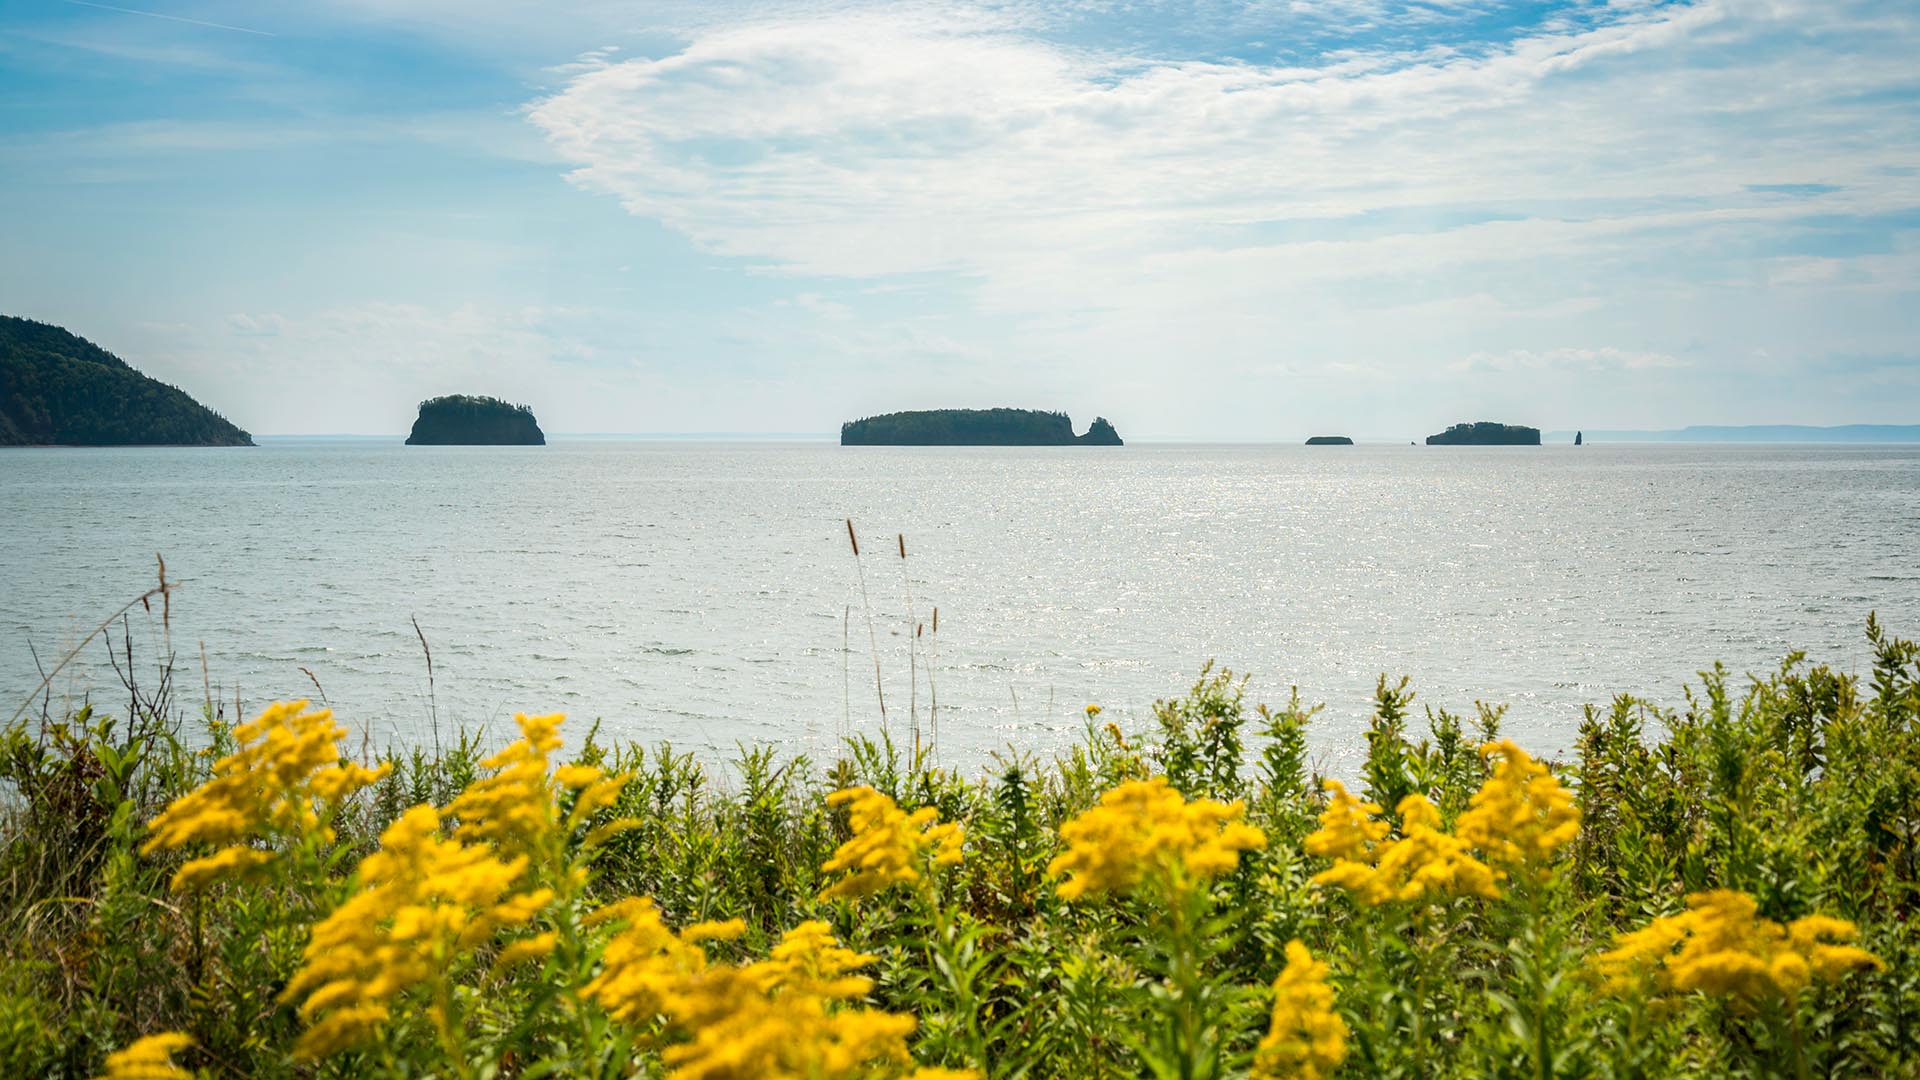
{"type": "Point", "coordinates": [58, 389]}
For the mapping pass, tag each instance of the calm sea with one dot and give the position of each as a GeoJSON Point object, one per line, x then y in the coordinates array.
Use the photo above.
{"type": "Point", "coordinates": [706, 594]}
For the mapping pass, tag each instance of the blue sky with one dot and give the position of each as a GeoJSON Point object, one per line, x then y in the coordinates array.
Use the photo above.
{"type": "Point", "coordinates": [1201, 220]}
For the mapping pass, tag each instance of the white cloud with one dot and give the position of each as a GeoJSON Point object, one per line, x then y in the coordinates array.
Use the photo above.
{"type": "Point", "coordinates": [1389, 207]}
{"type": "Point", "coordinates": [867, 144]}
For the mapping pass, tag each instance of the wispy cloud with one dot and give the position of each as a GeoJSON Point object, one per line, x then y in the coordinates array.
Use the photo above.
{"type": "Point", "coordinates": [862, 143]}
{"type": "Point", "coordinates": [1540, 174]}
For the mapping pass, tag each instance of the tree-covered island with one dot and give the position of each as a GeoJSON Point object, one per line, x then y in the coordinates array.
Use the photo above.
{"type": "Point", "coordinates": [466, 420]}
{"type": "Point", "coordinates": [975, 427]}
{"type": "Point", "coordinates": [1486, 433]}
{"type": "Point", "coordinates": [59, 389]}
{"type": "Point", "coordinates": [1330, 440]}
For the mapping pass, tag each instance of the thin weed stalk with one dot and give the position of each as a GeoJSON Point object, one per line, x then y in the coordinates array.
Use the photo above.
{"type": "Point", "coordinates": [873, 639]}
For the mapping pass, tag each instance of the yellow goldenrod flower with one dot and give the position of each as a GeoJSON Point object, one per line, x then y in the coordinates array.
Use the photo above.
{"type": "Point", "coordinates": [227, 863]}
{"type": "Point", "coordinates": [1093, 711]}
{"type": "Point", "coordinates": [1423, 863]}
{"type": "Point", "coordinates": [1815, 937]}
{"type": "Point", "coordinates": [646, 968]}
{"type": "Point", "coordinates": [149, 1058]}
{"type": "Point", "coordinates": [809, 961]}
{"type": "Point", "coordinates": [575, 777]}
{"type": "Point", "coordinates": [537, 947]}
{"type": "Point", "coordinates": [887, 842]}
{"type": "Point", "coordinates": [266, 791]}
{"type": "Point", "coordinates": [1426, 862]}
{"type": "Point", "coordinates": [787, 1017]}
{"type": "Point", "coordinates": [1721, 946]}
{"type": "Point", "coordinates": [424, 901]}
{"type": "Point", "coordinates": [1145, 828]}
{"type": "Point", "coordinates": [1521, 815]}
{"type": "Point", "coordinates": [1307, 1039]}
{"type": "Point", "coordinates": [513, 807]}
{"type": "Point", "coordinates": [1349, 828]}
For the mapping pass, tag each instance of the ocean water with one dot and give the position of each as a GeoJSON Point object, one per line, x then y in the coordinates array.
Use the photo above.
{"type": "Point", "coordinates": [706, 594]}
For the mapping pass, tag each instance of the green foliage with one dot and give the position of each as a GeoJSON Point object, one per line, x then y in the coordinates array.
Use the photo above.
{"type": "Point", "coordinates": [1201, 748]}
{"type": "Point", "coordinates": [1800, 787]}
{"type": "Point", "coordinates": [974, 427]}
{"type": "Point", "coordinates": [57, 389]}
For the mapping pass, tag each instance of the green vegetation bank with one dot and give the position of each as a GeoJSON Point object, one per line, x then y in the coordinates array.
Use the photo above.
{"type": "Point", "coordinates": [465, 420]}
{"type": "Point", "coordinates": [57, 389]}
{"type": "Point", "coordinates": [1723, 889]}
{"type": "Point", "coordinates": [975, 427]}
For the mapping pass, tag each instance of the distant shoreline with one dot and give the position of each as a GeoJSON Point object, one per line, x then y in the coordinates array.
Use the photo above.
{"type": "Point", "coordinates": [1757, 433]}
{"type": "Point", "coordinates": [1550, 438]}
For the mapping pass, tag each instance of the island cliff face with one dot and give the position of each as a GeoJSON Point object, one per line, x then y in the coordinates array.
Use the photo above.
{"type": "Point", "coordinates": [1486, 433]}
{"type": "Point", "coordinates": [57, 389]}
{"type": "Point", "coordinates": [975, 427]}
{"type": "Point", "coordinates": [463, 420]}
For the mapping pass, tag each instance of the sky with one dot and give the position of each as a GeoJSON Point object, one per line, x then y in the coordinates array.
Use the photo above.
{"type": "Point", "coordinates": [1201, 220]}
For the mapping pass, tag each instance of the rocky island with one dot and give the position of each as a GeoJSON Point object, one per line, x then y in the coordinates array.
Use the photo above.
{"type": "Point", "coordinates": [1486, 433]}
{"type": "Point", "coordinates": [465, 420]}
{"type": "Point", "coordinates": [1330, 440]}
{"type": "Point", "coordinates": [975, 427]}
{"type": "Point", "coordinates": [59, 389]}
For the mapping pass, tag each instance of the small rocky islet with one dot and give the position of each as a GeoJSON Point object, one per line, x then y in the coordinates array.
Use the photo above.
{"type": "Point", "coordinates": [469, 420]}
{"type": "Point", "coordinates": [975, 427]}
{"type": "Point", "coordinates": [1486, 433]}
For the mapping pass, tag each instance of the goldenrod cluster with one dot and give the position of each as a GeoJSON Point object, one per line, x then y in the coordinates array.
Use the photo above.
{"type": "Point", "coordinates": [1521, 815]}
{"type": "Point", "coordinates": [775, 1018]}
{"type": "Point", "coordinates": [513, 808]}
{"type": "Point", "coordinates": [424, 901]}
{"type": "Point", "coordinates": [646, 968]}
{"type": "Point", "coordinates": [288, 760]}
{"type": "Point", "coordinates": [149, 1058]}
{"type": "Point", "coordinates": [788, 1017]}
{"type": "Point", "coordinates": [1145, 828]}
{"type": "Point", "coordinates": [1349, 829]}
{"type": "Point", "coordinates": [887, 842]}
{"type": "Point", "coordinates": [1422, 863]}
{"type": "Point", "coordinates": [1308, 1039]}
{"type": "Point", "coordinates": [1720, 945]}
